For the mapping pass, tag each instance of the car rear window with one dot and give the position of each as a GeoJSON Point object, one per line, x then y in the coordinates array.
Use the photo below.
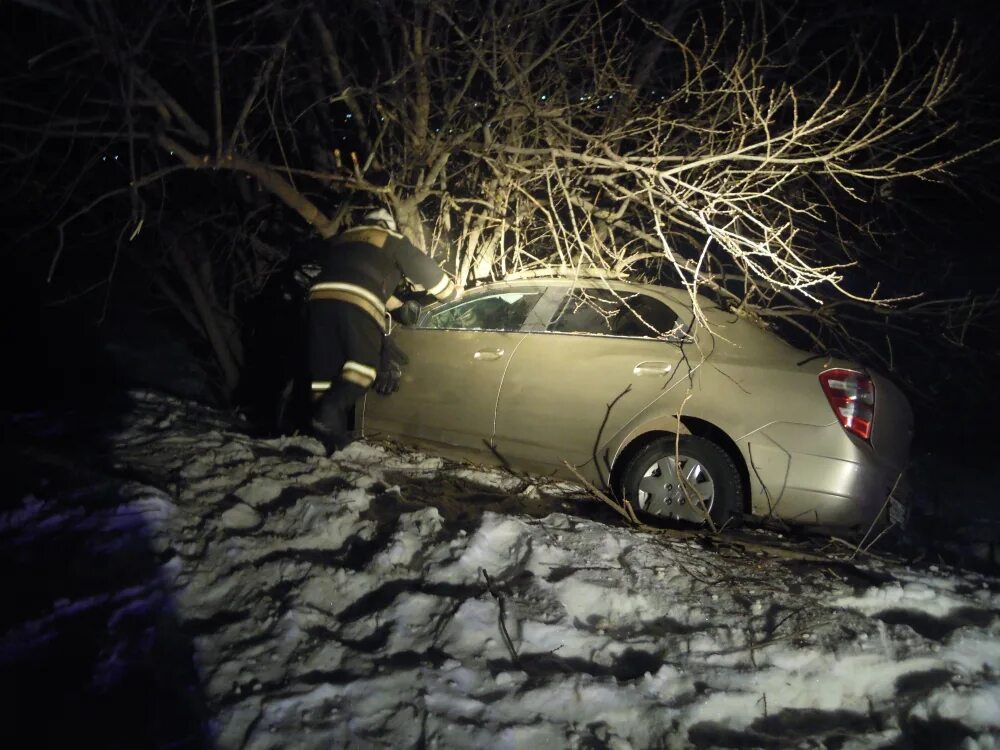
{"type": "Point", "coordinates": [609, 313]}
{"type": "Point", "coordinates": [496, 311]}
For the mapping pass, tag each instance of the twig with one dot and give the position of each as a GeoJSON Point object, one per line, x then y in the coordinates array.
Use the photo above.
{"type": "Point", "coordinates": [756, 646]}
{"type": "Point", "coordinates": [268, 178]}
{"type": "Point", "coordinates": [880, 535]}
{"type": "Point", "coordinates": [687, 488]}
{"type": "Point", "coordinates": [216, 79]}
{"type": "Point", "coordinates": [763, 699]}
{"type": "Point", "coordinates": [263, 75]}
{"type": "Point", "coordinates": [624, 510]}
{"type": "Point", "coordinates": [501, 617]}
{"type": "Point", "coordinates": [888, 499]}
{"type": "Point", "coordinates": [853, 546]}
{"type": "Point", "coordinates": [706, 581]}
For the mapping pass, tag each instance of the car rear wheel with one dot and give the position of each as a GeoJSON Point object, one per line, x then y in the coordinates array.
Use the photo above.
{"type": "Point", "coordinates": [664, 482]}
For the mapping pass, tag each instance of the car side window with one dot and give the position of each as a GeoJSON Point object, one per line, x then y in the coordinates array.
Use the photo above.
{"type": "Point", "coordinates": [610, 313]}
{"type": "Point", "coordinates": [490, 311]}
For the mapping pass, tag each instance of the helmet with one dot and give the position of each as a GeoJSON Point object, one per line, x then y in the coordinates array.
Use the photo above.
{"type": "Point", "coordinates": [381, 216]}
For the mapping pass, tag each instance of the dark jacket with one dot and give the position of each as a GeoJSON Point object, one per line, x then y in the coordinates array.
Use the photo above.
{"type": "Point", "coordinates": [365, 264]}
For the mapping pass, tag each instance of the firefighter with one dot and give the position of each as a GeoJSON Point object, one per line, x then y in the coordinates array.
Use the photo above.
{"type": "Point", "coordinates": [349, 302]}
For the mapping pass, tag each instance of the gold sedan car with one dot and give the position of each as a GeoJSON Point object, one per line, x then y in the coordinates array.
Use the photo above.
{"type": "Point", "coordinates": [611, 378]}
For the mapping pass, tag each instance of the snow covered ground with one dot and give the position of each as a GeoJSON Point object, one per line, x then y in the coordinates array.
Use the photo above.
{"type": "Point", "coordinates": [212, 589]}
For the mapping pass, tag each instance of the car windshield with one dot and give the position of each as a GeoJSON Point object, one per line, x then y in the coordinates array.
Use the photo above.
{"type": "Point", "coordinates": [496, 311]}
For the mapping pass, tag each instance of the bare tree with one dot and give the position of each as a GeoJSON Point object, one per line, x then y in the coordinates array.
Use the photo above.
{"type": "Point", "coordinates": [722, 148]}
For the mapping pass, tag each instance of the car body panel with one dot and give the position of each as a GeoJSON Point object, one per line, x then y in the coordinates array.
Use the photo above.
{"type": "Point", "coordinates": [892, 428]}
{"type": "Point", "coordinates": [448, 391]}
{"type": "Point", "coordinates": [540, 416]}
{"type": "Point", "coordinates": [796, 479]}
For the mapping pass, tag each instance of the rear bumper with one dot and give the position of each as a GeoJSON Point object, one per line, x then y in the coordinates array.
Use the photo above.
{"type": "Point", "coordinates": [819, 476]}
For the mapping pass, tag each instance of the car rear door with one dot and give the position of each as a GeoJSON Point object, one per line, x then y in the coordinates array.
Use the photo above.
{"type": "Point", "coordinates": [605, 357]}
{"type": "Point", "coordinates": [458, 353]}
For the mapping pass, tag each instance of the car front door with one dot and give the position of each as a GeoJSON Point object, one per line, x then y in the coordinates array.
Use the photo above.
{"type": "Point", "coordinates": [605, 357]}
{"type": "Point", "coordinates": [458, 353]}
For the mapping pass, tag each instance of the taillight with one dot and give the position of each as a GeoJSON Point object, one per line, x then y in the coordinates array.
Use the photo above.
{"type": "Point", "coordinates": [852, 396]}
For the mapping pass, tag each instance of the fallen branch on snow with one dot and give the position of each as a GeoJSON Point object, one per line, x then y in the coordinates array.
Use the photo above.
{"type": "Point", "coordinates": [501, 618]}
{"type": "Point", "coordinates": [625, 509]}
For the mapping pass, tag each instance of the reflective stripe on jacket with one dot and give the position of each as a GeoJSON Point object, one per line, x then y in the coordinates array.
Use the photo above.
{"type": "Point", "coordinates": [353, 293]}
{"type": "Point", "coordinates": [364, 265]}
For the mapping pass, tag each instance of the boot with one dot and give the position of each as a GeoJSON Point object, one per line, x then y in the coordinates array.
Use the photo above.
{"type": "Point", "coordinates": [332, 440]}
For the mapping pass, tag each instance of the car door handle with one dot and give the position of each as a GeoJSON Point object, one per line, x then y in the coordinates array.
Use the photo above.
{"type": "Point", "coordinates": [485, 355]}
{"type": "Point", "coordinates": [652, 368]}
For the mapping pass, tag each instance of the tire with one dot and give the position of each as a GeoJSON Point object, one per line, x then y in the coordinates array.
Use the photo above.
{"type": "Point", "coordinates": [650, 483]}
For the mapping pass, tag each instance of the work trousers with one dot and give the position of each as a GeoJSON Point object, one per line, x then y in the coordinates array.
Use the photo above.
{"type": "Point", "coordinates": [345, 345]}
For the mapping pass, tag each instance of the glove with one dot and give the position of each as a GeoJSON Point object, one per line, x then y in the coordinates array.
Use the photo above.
{"type": "Point", "coordinates": [387, 380]}
{"type": "Point", "coordinates": [390, 368]}
{"type": "Point", "coordinates": [409, 313]}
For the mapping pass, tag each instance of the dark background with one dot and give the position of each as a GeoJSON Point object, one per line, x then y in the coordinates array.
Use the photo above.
{"type": "Point", "coordinates": [97, 326]}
